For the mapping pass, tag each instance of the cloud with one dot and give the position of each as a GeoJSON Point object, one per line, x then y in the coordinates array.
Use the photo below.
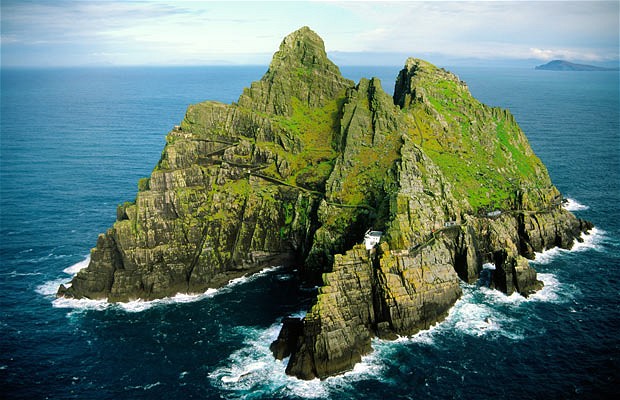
{"type": "Point", "coordinates": [568, 54]}
{"type": "Point", "coordinates": [123, 32]}
{"type": "Point", "coordinates": [490, 29]}
{"type": "Point", "coordinates": [158, 32]}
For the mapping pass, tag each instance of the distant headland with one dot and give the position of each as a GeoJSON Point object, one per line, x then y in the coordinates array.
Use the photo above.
{"type": "Point", "coordinates": [561, 65]}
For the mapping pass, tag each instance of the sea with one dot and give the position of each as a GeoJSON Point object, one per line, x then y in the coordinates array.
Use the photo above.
{"type": "Point", "coordinates": [75, 141]}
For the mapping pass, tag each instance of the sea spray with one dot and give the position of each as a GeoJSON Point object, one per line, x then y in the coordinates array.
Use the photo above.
{"type": "Point", "coordinates": [479, 313]}
{"type": "Point", "coordinates": [573, 205]}
{"type": "Point", "coordinates": [50, 288]}
{"type": "Point", "coordinates": [589, 241]}
{"type": "Point", "coordinates": [77, 267]}
{"type": "Point", "coordinates": [252, 370]}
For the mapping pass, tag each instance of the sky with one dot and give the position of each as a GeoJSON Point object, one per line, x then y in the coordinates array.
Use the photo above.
{"type": "Point", "coordinates": [46, 33]}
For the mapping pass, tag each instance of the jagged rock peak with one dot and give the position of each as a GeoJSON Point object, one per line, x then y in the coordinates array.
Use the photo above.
{"type": "Point", "coordinates": [416, 78]}
{"type": "Point", "coordinates": [299, 69]}
{"type": "Point", "coordinates": [303, 47]}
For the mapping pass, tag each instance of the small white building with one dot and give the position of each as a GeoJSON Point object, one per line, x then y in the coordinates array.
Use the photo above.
{"type": "Point", "coordinates": [372, 238]}
{"type": "Point", "coordinates": [489, 266]}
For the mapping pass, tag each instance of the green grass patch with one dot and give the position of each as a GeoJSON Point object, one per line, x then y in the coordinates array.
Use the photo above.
{"type": "Point", "coordinates": [315, 129]}
{"type": "Point", "coordinates": [481, 150]}
{"type": "Point", "coordinates": [144, 184]}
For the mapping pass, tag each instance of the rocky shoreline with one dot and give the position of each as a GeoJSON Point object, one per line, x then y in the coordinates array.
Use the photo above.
{"type": "Point", "coordinates": [387, 293]}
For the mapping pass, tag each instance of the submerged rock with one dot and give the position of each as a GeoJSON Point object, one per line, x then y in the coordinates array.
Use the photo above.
{"type": "Point", "coordinates": [300, 167]}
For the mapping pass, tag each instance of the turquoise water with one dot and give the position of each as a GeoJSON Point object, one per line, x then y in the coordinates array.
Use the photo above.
{"type": "Point", "coordinates": [74, 143]}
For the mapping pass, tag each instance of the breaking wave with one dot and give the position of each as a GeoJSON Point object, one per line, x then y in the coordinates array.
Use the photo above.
{"type": "Point", "coordinates": [589, 241]}
{"type": "Point", "coordinates": [131, 306]}
{"type": "Point", "coordinates": [253, 369]}
{"type": "Point", "coordinates": [574, 205]}
{"type": "Point", "coordinates": [77, 267]}
{"type": "Point", "coordinates": [481, 312]}
{"type": "Point", "coordinates": [50, 288]}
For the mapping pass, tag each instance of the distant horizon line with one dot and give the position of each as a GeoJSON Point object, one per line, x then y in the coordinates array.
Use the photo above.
{"type": "Point", "coordinates": [340, 58]}
{"type": "Point", "coordinates": [520, 65]}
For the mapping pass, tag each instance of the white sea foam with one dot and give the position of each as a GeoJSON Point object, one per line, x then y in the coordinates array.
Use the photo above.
{"type": "Point", "coordinates": [475, 319]}
{"type": "Point", "coordinates": [481, 312]}
{"type": "Point", "coordinates": [254, 369]}
{"type": "Point", "coordinates": [425, 337]}
{"type": "Point", "coordinates": [75, 268]}
{"type": "Point", "coordinates": [251, 277]}
{"type": "Point", "coordinates": [591, 240]}
{"type": "Point", "coordinates": [130, 306]}
{"type": "Point", "coordinates": [546, 256]}
{"type": "Point", "coordinates": [50, 288]}
{"type": "Point", "coordinates": [574, 205]}
{"type": "Point", "coordinates": [141, 305]}
{"type": "Point", "coordinates": [550, 292]}
{"type": "Point", "coordinates": [475, 314]}
{"type": "Point", "coordinates": [495, 296]}
{"type": "Point", "coordinates": [81, 304]}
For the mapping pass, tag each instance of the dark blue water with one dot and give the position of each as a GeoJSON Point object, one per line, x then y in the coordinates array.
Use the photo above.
{"type": "Point", "coordinates": [74, 142]}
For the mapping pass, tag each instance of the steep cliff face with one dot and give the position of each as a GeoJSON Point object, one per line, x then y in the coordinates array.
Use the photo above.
{"type": "Point", "coordinates": [301, 167]}
{"type": "Point", "coordinates": [237, 186]}
{"type": "Point", "coordinates": [464, 189]}
{"type": "Point", "coordinates": [366, 296]}
{"type": "Point", "coordinates": [356, 195]}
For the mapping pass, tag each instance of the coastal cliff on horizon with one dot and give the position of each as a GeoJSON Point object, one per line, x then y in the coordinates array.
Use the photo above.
{"type": "Point", "coordinates": [300, 167]}
{"type": "Point", "coordinates": [562, 65]}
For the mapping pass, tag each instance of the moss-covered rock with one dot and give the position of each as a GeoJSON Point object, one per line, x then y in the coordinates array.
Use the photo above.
{"type": "Point", "coordinates": [237, 186]}
{"type": "Point", "coordinates": [480, 150]}
{"type": "Point", "coordinates": [299, 69]}
{"type": "Point", "coordinates": [460, 187]}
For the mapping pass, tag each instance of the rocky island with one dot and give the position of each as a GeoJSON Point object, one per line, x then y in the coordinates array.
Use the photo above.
{"type": "Point", "coordinates": [562, 65]}
{"type": "Point", "coordinates": [300, 167]}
